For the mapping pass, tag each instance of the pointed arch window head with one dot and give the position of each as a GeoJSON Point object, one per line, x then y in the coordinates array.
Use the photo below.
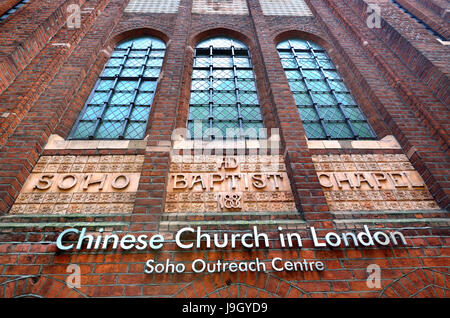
{"type": "Point", "coordinates": [120, 103]}
{"type": "Point", "coordinates": [326, 106]}
{"type": "Point", "coordinates": [224, 102]}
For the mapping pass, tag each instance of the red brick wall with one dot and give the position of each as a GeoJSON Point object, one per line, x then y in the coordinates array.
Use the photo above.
{"type": "Point", "coordinates": [397, 81]}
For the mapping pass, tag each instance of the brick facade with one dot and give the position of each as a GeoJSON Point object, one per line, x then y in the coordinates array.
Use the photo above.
{"type": "Point", "coordinates": [397, 73]}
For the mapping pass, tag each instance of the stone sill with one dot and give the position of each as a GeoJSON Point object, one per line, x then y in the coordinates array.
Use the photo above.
{"type": "Point", "coordinates": [388, 142]}
{"type": "Point", "coordinates": [56, 142]}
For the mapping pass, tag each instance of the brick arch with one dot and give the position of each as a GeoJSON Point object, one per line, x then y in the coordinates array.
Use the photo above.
{"type": "Point", "coordinates": [260, 285]}
{"type": "Point", "coordinates": [38, 286]}
{"type": "Point", "coordinates": [418, 283]}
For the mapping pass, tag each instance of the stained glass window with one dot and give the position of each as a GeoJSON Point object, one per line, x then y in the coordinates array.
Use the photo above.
{"type": "Point", "coordinates": [326, 107]}
{"type": "Point", "coordinates": [224, 101]}
{"type": "Point", "coordinates": [120, 104]}
{"type": "Point", "coordinates": [13, 9]}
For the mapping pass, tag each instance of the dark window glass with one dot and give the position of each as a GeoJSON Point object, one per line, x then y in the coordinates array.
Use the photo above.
{"type": "Point", "coordinates": [119, 105]}
{"type": "Point", "coordinates": [13, 9]}
{"type": "Point", "coordinates": [224, 101]}
{"type": "Point", "coordinates": [326, 107]}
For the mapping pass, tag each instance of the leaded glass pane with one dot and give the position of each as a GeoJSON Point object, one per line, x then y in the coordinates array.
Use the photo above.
{"type": "Point", "coordinates": [338, 86]}
{"type": "Point", "coordinates": [149, 86]}
{"type": "Point", "coordinates": [92, 112]}
{"type": "Point", "coordinates": [121, 98]}
{"type": "Point", "coordinates": [288, 63]}
{"type": "Point", "coordinates": [222, 62]}
{"type": "Point", "coordinates": [84, 130]}
{"type": "Point", "coordinates": [314, 130]}
{"type": "Point", "coordinates": [115, 113]}
{"type": "Point", "coordinates": [108, 130]}
{"type": "Point", "coordinates": [339, 130]}
{"type": "Point", "coordinates": [353, 113]}
{"type": "Point", "coordinates": [362, 129]}
{"type": "Point", "coordinates": [114, 62]}
{"type": "Point", "coordinates": [317, 85]}
{"type": "Point", "coordinates": [144, 99]}
{"type": "Point", "coordinates": [345, 98]}
{"type": "Point", "coordinates": [297, 86]}
{"type": "Point", "coordinates": [104, 85]}
{"type": "Point", "coordinates": [140, 113]}
{"type": "Point", "coordinates": [326, 107]}
{"type": "Point", "coordinates": [242, 62]}
{"type": "Point", "coordinates": [308, 63]}
{"type": "Point", "coordinates": [251, 113]}
{"type": "Point", "coordinates": [223, 91]}
{"type": "Point", "coordinates": [199, 85]}
{"type": "Point", "coordinates": [324, 98]}
{"type": "Point", "coordinates": [120, 105]}
{"type": "Point", "coordinates": [302, 99]}
{"type": "Point", "coordinates": [224, 98]}
{"type": "Point", "coordinates": [249, 98]}
{"type": "Point", "coordinates": [245, 74]}
{"type": "Point", "coordinates": [331, 113]}
{"type": "Point", "coordinates": [199, 98]}
{"type": "Point", "coordinates": [127, 85]}
{"type": "Point", "coordinates": [222, 85]}
{"type": "Point", "coordinates": [246, 85]}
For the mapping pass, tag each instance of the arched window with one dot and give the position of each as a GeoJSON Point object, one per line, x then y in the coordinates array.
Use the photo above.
{"type": "Point", "coordinates": [119, 105]}
{"type": "Point", "coordinates": [326, 107]}
{"type": "Point", "coordinates": [224, 101]}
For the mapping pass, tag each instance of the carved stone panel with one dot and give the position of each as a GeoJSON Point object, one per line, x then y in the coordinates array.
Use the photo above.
{"type": "Point", "coordinates": [228, 183]}
{"type": "Point", "coordinates": [372, 182]}
{"type": "Point", "coordinates": [81, 185]}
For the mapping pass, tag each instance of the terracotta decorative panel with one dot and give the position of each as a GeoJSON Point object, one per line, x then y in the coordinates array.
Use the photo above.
{"type": "Point", "coordinates": [372, 182]}
{"type": "Point", "coordinates": [81, 184]}
{"type": "Point", "coordinates": [228, 183]}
